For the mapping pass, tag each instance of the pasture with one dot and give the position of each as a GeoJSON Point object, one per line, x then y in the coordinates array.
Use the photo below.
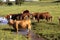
{"type": "Point", "coordinates": [47, 30]}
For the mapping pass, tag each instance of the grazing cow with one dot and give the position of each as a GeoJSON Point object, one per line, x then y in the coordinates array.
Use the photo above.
{"type": "Point", "coordinates": [44, 15]}
{"type": "Point", "coordinates": [14, 16]}
{"type": "Point", "coordinates": [35, 16]}
{"type": "Point", "coordinates": [18, 16]}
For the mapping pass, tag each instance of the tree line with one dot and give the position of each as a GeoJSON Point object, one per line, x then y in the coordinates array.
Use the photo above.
{"type": "Point", "coordinates": [17, 2]}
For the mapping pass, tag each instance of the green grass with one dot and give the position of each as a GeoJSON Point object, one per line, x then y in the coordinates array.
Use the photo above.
{"type": "Point", "coordinates": [7, 34]}
{"type": "Point", "coordinates": [41, 28]}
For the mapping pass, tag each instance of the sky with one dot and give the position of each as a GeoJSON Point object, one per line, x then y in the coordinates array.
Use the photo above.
{"type": "Point", "coordinates": [14, 0]}
{"type": "Point", "coordinates": [10, 0]}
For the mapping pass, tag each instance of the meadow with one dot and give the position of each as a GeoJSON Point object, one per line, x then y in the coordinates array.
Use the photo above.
{"type": "Point", "coordinates": [47, 30]}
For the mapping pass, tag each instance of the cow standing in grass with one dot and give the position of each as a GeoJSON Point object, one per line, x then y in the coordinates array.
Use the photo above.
{"type": "Point", "coordinates": [21, 24]}
{"type": "Point", "coordinates": [43, 15]}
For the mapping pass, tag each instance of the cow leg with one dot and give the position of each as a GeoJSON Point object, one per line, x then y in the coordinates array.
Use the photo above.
{"type": "Point", "coordinates": [51, 18]}
{"type": "Point", "coordinates": [14, 26]}
{"type": "Point", "coordinates": [59, 21]}
{"type": "Point", "coordinates": [38, 17]}
{"type": "Point", "coordinates": [38, 20]}
{"type": "Point", "coordinates": [17, 27]}
{"type": "Point", "coordinates": [47, 19]}
{"type": "Point", "coordinates": [29, 28]}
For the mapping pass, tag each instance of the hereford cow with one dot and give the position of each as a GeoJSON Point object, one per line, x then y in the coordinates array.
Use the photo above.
{"type": "Point", "coordinates": [18, 16]}
{"type": "Point", "coordinates": [14, 16]}
{"type": "Point", "coordinates": [44, 15]}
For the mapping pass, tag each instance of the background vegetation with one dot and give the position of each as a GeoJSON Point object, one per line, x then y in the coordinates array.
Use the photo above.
{"type": "Point", "coordinates": [47, 30]}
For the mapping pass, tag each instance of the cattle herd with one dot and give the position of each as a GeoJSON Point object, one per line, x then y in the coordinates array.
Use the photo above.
{"type": "Point", "coordinates": [23, 20]}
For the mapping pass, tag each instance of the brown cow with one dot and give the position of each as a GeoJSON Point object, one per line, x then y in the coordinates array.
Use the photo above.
{"type": "Point", "coordinates": [35, 16]}
{"type": "Point", "coordinates": [17, 24]}
{"type": "Point", "coordinates": [44, 15]}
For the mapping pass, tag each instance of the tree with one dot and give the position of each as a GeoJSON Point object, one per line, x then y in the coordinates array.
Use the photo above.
{"type": "Point", "coordinates": [16, 2]}
{"type": "Point", "coordinates": [0, 0]}
{"type": "Point", "coordinates": [7, 1]}
{"type": "Point", "coordinates": [57, 1]}
{"type": "Point", "coordinates": [1, 3]}
{"type": "Point", "coordinates": [40, 0]}
{"type": "Point", "coordinates": [19, 2]}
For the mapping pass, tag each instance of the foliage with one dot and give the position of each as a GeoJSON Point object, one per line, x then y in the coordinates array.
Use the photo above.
{"type": "Point", "coordinates": [19, 2]}
{"type": "Point", "coordinates": [0, 1]}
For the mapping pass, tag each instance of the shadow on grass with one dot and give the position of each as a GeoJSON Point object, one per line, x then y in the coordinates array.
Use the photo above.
{"type": "Point", "coordinates": [52, 23]}
{"type": "Point", "coordinates": [56, 1]}
{"type": "Point", "coordinates": [12, 30]}
{"type": "Point", "coordinates": [9, 29]}
{"type": "Point", "coordinates": [24, 32]}
{"type": "Point", "coordinates": [34, 23]}
{"type": "Point", "coordinates": [42, 21]}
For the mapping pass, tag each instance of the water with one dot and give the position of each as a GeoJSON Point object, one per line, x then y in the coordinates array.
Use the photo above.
{"type": "Point", "coordinates": [33, 36]}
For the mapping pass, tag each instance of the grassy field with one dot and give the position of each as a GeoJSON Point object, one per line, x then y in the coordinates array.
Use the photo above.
{"type": "Point", "coordinates": [49, 31]}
